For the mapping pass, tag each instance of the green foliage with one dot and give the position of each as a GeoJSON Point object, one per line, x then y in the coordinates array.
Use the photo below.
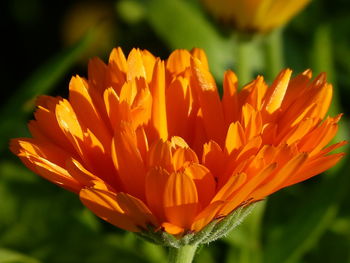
{"type": "Point", "coordinates": [310, 221]}
{"type": "Point", "coordinates": [188, 29]}
{"type": "Point", "coordinates": [39, 222]}
{"type": "Point", "coordinates": [13, 113]}
{"type": "Point", "coordinates": [8, 256]}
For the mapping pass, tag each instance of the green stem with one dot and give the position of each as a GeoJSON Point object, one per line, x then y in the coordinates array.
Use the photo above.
{"type": "Point", "coordinates": [244, 64]}
{"type": "Point", "coordinates": [183, 254]}
{"type": "Point", "coordinates": [273, 54]}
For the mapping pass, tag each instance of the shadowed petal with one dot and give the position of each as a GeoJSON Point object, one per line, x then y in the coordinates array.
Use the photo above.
{"type": "Point", "coordinates": [180, 200]}
{"type": "Point", "coordinates": [128, 161]}
{"type": "Point", "coordinates": [104, 204]}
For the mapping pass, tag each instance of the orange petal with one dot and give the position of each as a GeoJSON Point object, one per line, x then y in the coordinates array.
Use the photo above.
{"type": "Point", "coordinates": [156, 180]}
{"type": "Point", "coordinates": [117, 111]}
{"type": "Point", "coordinates": [199, 54]}
{"type": "Point", "coordinates": [142, 104]}
{"type": "Point", "coordinates": [86, 178]}
{"type": "Point", "coordinates": [252, 121]}
{"type": "Point", "coordinates": [97, 72]}
{"type": "Point", "coordinates": [295, 114]}
{"type": "Point", "coordinates": [128, 161]}
{"type": "Point", "coordinates": [275, 94]}
{"type": "Point", "coordinates": [235, 137]}
{"type": "Point", "coordinates": [94, 154]}
{"type": "Point", "coordinates": [104, 204]}
{"type": "Point", "coordinates": [136, 68]}
{"type": "Point", "coordinates": [298, 132]}
{"type": "Point", "coordinates": [204, 181]}
{"type": "Point", "coordinates": [80, 173]}
{"type": "Point", "coordinates": [319, 137]}
{"type": "Point", "coordinates": [250, 148]}
{"type": "Point", "coordinates": [324, 100]}
{"type": "Point", "coordinates": [180, 200]}
{"type": "Point", "coordinates": [46, 126]}
{"type": "Point", "coordinates": [70, 126]}
{"type": "Point", "coordinates": [149, 62]}
{"type": "Point", "coordinates": [172, 229]}
{"type": "Point", "coordinates": [117, 68]}
{"type": "Point", "coordinates": [98, 160]}
{"type": "Point", "coordinates": [243, 192]}
{"type": "Point", "coordinates": [258, 88]}
{"type": "Point", "coordinates": [332, 148]}
{"type": "Point", "coordinates": [296, 89]}
{"type": "Point", "coordinates": [206, 216]}
{"type": "Point", "coordinates": [314, 167]}
{"type": "Point", "coordinates": [234, 183]}
{"type": "Point", "coordinates": [55, 174]}
{"type": "Point", "coordinates": [230, 99]}
{"type": "Point", "coordinates": [178, 61]}
{"type": "Point", "coordinates": [213, 116]}
{"type": "Point", "coordinates": [277, 180]}
{"type": "Point", "coordinates": [45, 160]}
{"type": "Point", "coordinates": [178, 106]}
{"type": "Point", "coordinates": [183, 157]}
{"type": "Point", "coordinates": [43, 149]}
{"type": "Point", "coordinates": [198, 135]}
{"type": "Point", "coordinates": [157, 87]}
{"type": "Point", "coordinates": [128, 92]}
{"type": "Point", "coordinates": [111, 100]}
{"type": "Point", "coordinates": [213, 158]}
{"type": "Point", "coordinates": [142, 142]}
{"type": "Point", "coordinates": [136, 210]}
{"type": "Point", "coordinates": [83, 105]}
{"type": "Point", "coordinates": [177, 141]}
{"type": "Point", "coordinates": [160, 155]}
{"type": "Point", "coordinates": [117, 57]}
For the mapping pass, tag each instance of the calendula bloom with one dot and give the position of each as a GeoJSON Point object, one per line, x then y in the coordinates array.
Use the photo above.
{"type": "Point", "coordinates": [149, 144]}
{"type": "Point", "coordinates": [255, 15]}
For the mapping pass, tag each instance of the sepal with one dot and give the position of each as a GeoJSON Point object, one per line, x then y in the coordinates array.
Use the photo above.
{"type": "Point", "coordinates": [216, 229]}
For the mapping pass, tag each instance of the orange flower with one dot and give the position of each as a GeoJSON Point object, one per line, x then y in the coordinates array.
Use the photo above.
{"type": "Point", "coordinates": [149, 143]}
{"type": "Point", "coordinates": [255, 15]}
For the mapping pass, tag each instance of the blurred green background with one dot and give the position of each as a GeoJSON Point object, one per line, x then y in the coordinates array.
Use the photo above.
{"type": "Point", "coordinates": [44, 43]}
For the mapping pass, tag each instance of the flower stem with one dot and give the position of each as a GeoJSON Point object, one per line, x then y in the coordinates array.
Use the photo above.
{"type": "Point", "coordinates": [244, 63]}
{"type": "Point", "coordinates": [183, 254]}
{"type": "Point", "coordinates": [273, 54]}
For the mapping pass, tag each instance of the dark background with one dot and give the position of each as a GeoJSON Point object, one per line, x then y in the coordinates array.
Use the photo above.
{"type": "Point", "coordinates": [44, 43]}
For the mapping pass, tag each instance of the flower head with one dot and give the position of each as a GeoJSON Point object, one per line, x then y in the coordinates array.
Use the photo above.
{"type": "Point", "coordinates": [147, 142]}
{"type": "Point", "coordinates": [255, 15]}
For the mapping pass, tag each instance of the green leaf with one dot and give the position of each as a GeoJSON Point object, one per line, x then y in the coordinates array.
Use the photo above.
{"type": "Point", "coordinates": [153, 253]}
{"type": "Point", "coordinates": [13, 113]}
{"type": "Point", "coordinates": [15, 171]}
{"type": "Point", "coordinates": [130, 11]}
{"type": "Point", "coordinates": [182, 25]}
{"type": "Point", "coordinates": [9, 256]}
{"type": "Point", "coordinates": [245, 239]}
{"type": "Point", "coordinates": [311, 220]}
{"type": "Point", "coordinates": [322, 60]}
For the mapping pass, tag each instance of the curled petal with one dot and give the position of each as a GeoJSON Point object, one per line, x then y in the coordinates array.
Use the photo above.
{"type": "Point", "coordinates": [209, 101]}
{"type": "Point", "coordinates": [128, 161]}
{"type": "Point", "coordinates": [104, 204]}
{"type": "Point", "coordinates": [37, 157]}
